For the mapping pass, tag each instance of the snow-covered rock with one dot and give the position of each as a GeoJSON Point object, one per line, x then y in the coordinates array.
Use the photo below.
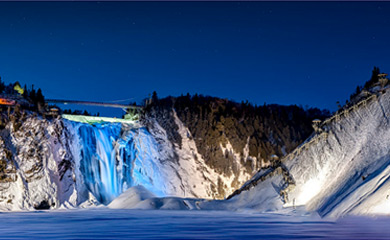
{"type": "Point", "coordinates": [343, 170]}
{"type": "Point", "coordinates": [131, 197]}
{"type": "Point", "coordinates": [349, 171]}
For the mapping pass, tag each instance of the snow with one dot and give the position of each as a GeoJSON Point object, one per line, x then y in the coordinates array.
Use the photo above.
{"type": "Point", "coordinates": [105, 223]}
{"type": "Point", "coordinates": [131, 197]}
{"type": "Point", "coordinates": [139, 197]}
{"type": "Point", "coordinates": [262, 199]}
{"type": "Point", "coordinates": [34, 152]}
{"type": "Point", "coordinates": [348, 173]}
{"type": "Point", "coordinates": [198, 176]}
{"type": "Point", "coordinates": [345, 172]}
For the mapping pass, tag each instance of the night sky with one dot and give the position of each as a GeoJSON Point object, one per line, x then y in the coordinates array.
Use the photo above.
{"type": "Point", "coordinates": [302, 53]}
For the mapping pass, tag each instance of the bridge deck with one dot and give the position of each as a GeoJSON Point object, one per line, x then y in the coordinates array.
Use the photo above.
{"type": "Point", "coordinates": [101, 104]}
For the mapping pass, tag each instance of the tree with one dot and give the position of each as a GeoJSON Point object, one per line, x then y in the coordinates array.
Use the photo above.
{"type": "Point", "coordinates": [2, 86]}
{"type": "Point", "coordinates": [40, 97]}
{"type": "Point", "coordinates": [373, 79]}
{"type": "Point", "coordinates": [154, 97]}
{"type": "Point", "coordinates": [25, 92]}
{"type": "Point", "coordinates": [33, 95]}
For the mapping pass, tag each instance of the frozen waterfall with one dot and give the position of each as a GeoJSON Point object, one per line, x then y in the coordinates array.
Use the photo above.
{"type": "Point", "coordinates": [111, 157]}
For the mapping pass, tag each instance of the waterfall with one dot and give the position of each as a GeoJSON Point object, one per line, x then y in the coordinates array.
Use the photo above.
{"type": "Point", "coordinates": [111, 157]}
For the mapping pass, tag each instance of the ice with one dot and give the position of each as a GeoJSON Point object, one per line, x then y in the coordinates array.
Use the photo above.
{"type": "Point", "coordinates": [112, 157]}
{"type": "Point", "coordinates": [140, 224]}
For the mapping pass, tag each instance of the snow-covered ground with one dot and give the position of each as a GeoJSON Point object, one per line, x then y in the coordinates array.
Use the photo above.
{"type": "Point", "coordinates": [140, 224]}
{"type": "Point", "coordinates": [349, 171]}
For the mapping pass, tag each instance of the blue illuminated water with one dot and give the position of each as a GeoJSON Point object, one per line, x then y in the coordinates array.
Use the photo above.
{"type": "Point", "coordinates": [159, 224]}
{"type": "Point", "coordinates": [113, 157]}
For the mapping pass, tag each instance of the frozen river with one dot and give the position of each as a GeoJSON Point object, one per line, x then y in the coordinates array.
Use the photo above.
{"type": "Point", "coordinates": [152, 224]}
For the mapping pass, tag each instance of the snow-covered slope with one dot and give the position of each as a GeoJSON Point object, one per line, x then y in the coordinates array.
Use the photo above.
{"type": "Point", "coordinates": [345, 169]}
{"type": "Point", "coordinates": [347, 172]}
{"type": "Point", "coordinates": [198, 179]}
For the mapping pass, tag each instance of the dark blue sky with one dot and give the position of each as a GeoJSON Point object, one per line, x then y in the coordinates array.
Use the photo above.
{"type": "Point", "coordinates": [275, 52]}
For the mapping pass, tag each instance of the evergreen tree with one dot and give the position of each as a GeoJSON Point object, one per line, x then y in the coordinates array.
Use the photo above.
{"type": "Point", "coordinates": [33, 96]}
{"type": "Point", "coordinates": [154, 97]}
{"type": "Point", "coordinates": [2, 86]}
{"type": "Point", "coordinates": [40, 98]}
{"type": "Point", "coordinates": [373, 79]}
{"type": "Point", "coordinates": [25, 93]}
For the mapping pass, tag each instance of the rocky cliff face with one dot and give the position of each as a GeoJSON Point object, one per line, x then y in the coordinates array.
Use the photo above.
{"type": "Point", "coordinates": [36, 165]}
{"type": "Point", "coordinates": [234, 140]}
